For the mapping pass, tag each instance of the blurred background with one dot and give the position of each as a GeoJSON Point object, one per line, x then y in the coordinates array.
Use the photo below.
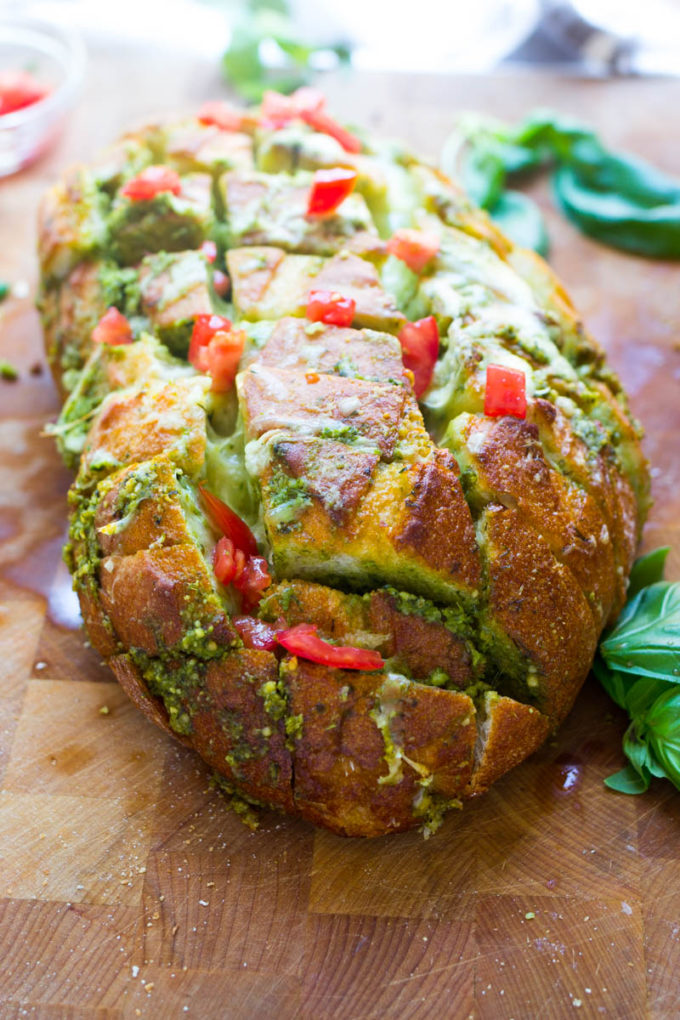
{"type": "Point", "coordinates": [585, 37]}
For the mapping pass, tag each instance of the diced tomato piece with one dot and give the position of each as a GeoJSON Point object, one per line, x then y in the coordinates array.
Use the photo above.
{"type": "Point", "coordinates": [277, 110]}
{"type": "Point", "coordinates": [228, 561]}
{"type": "Point", "coordinates": [216, 348]}
{"type": "Point", "coordinates": [221, 283]}
{"type": "Point", "coordinates": [112, 329]}
{"type": "Point", "coordinates": [204, 329]}
{"type": "Point", "coordinates": [253, 580]}
{"type": "Point", "coordinates": [223, 354]}
{"type": "Point", "coordinates": [304, 641]}
{"type": "Point", "coordinates": [221, 114]}
{"type": "Point", "coordinates": [329, 190]}
{"type": "Point", "coordinates": [19, 89]}
{"type": "Point", "coordinates": [307, 104]}
{"type": "Point", "coordinates": [414, 247]}
{"type": "Point", "coordinates": [229, 523]}
{"type": "Point", "coordinates": [505, 392]}
{"type": "Point", "coordinates": [152, 181]}
{"type": "Point", "coordinates": [307, 99]}
{"type": "Point", "coordinates": [419, 350]}
{"type": "Point", "coordinates": [320, 121]}
{"type": "Point", "coordinates": [255, 633]}
{"type": "Point", "coordinates": [330, 307]}
{"type": "Point", "coordinates": [209, 250]}
{"type": "Point", "coordinates": [235, 559]}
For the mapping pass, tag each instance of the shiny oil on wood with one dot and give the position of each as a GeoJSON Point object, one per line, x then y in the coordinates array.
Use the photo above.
{"type": "Point", "coordinates": [127, 889]}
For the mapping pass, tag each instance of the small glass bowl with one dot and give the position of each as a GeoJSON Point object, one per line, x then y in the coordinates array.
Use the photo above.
{"type": "Point", "coordinates": [57, 59]}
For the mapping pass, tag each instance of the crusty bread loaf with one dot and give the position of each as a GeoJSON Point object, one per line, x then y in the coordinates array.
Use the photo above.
{"type": "Point", "coordinates": [480, 555]}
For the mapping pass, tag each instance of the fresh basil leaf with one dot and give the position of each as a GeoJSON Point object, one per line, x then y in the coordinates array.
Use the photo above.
{"type": "Point", "coordinates": [646, 638]}
{"type": "Point", "coordinates": [272, 24]}
{"type": "Point", "coordinates": [616, 198]}
{"type": "Point", "coordinates": [520, 218]}
{"type": "Point", "coordinates": [281, 6]}
{"type": "Point", "coordinates": [483, 176]}
{"type": "Point", "coordinates": [616, 684]}
{"type": "Point", "coordinates": [663, 728]}
{"type": "Point", "coordinates": [654, 767]}
{"type": "Point", "coordinates": [627, 781]}
{"type": "Point", "coordinates": [516, 159]}
{"type": "Point", "coordinates": [554, 135]}
{"type": "Point", "coordinates": [243, 64]}
{"type": "Point", "coordinates": [647, 570]}
{"type": "Point", "coordinates": [616, 219]}
{"type": "Point", "coordinates": [636, 750]}
{"type": "Point", "coordinates": [624, 174]}
{"type": "Point", "coordinates": [642, 694]}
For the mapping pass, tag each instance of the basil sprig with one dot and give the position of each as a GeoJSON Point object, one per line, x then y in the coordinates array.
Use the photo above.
{"type": "Point", "coordinates": [639, 666]}
{"type": "Point", "coordinates": [616, 198]}
{"type": "Point", "coordinates": [267, 52]}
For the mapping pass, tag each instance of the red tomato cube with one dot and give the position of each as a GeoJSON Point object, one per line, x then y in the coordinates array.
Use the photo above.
{"type": "Point", "coordinates": [330, 307]}
{"type": "Point", "coordinates": [414, 247]}
{"type": "Point", "coordinates": [505, 392]}
{"type": "Point", "coordinates": [419, 351]}
{"type": "Point", "coordinates": [329, 189]}
{"type": "Point", "coordinates": [152, 181]}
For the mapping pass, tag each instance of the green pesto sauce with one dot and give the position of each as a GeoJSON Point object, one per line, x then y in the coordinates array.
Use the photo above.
{"type": "Point", "coordinates": [166, 223]}
{"type": "Point", "coordinates": [343, 433]}
{"type": "Point", "coordinates": [184, 270]}
{"type": "Point", "coordinates": [82, 554]}
{"type": "Point", "coordinates": [176, 685]}
{"type": "Point", "coordinates": [387, 708]}
{"type": "Point", "coordinates": [294, 727]}
{"type": "Point", "coordinates": [274, 695]}
{"type": "Point", "coordinates": [403, 285]}
{"type": "Point", "coordinates": [120, 287]}
{"type": "Point", "coordinates": [242, 806]}
{"type": "Point", "coordinates": [73, 424]}
{"type": "Point", "coordinates": [288, 498]}
{"type": "Point", "coordinates": [437, 678]}
{"type": "Point", "coordinates": [87, 227]}
{"type": "Point", "coordinates": [431, 808]}
{"type": "Point", "coordinates": [276, 704]}
{"type": "Point", "coordinates": [138, 486]}
{"type": "Point", "coordinates": [415, 605]}
{"type": "Point", "coordinates": [458, 620]}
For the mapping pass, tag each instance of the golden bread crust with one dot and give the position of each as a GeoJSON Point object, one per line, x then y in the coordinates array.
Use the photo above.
{"type": "Point", "coordinates": [479, 555]}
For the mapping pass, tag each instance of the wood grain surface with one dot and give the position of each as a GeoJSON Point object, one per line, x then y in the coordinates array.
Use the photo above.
{"type": "Point", "coordinates": [127, 887]}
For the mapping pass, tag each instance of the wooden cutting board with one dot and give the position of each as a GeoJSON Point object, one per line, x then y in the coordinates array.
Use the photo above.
{"type": "Point", "coordinates": [129, 890]}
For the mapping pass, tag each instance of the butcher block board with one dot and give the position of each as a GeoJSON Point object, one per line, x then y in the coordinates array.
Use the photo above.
{"type": "Point", "coordinates": [128, 889]}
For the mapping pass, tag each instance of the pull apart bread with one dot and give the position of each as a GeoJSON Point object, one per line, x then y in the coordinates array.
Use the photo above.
{"type": "Point", "coordinates": [356, 493]}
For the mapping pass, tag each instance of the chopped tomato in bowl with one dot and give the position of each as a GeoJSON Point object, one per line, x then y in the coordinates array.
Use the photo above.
{"type": "Point", "coordinates": [42, 71]}
{"type": "Point", "coordinates": [19, 89]}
